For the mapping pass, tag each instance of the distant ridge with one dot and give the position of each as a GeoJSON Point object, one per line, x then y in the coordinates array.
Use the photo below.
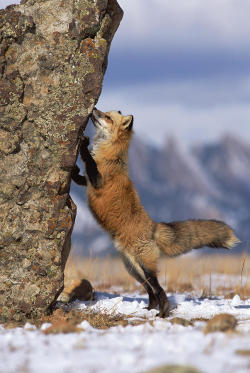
{"type": "Point", "coordinates": [207, 181]}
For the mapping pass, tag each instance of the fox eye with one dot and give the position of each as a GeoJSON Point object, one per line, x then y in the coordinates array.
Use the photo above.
{"type": "Point", "coordinates": [107, 117]}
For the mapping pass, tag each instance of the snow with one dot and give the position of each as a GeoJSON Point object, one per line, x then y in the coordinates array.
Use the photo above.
{"type": "Point", "coordinates": [134, 348]}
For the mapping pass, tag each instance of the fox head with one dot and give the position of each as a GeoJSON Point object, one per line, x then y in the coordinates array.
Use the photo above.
{"type": "Point", "coordinates": [112, 129]}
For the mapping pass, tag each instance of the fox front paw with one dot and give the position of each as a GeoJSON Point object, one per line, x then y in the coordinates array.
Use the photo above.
{"type": "Point", "coordinates": [84, 141]}
{"type": "Point", "coordinates": [75, 171]}
{"type": "Point", "coordinates": [84, 151]}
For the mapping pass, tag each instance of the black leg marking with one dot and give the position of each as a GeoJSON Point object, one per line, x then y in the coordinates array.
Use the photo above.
{"type": "Point", "coordinates": [159, 293]}
{"type": "Point", "coordinates": [153, 301]}
{"type": "Point", "coordinates": [90, 164]}
{"type": "Point", "coordinates": [138, 274]}
{"type": "Point", "coordinates": [78, 179]}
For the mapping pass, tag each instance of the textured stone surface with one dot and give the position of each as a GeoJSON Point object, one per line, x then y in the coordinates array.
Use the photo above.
{"type": "Point", "coordinates": [53, 55]}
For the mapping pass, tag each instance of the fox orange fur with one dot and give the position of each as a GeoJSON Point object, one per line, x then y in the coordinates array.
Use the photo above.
{"type": "Point", "coordinates": [116, 206]}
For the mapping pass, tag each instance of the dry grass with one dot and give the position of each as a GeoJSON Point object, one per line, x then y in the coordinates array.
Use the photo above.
{"type": "Point", "coordinates": [181, 321]}
{"type": "Point", "coordinates": [64, 321]}
{"type": "Point", "coordinates": [182, 274]}
{"type": "Point", "coordinates": [197, 273]}
{"type": "Point", "coordinates": [243, 352]}
{"type": "Point", "coordinates": [174, 369]}
{"type": "Point", "coordinates": [101, 272]}
{"type": "Point", "coordinates": [194, 274]}
{"type": "Point", "coordinates": [223, 322]}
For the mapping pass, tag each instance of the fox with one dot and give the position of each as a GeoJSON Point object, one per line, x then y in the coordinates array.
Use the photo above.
{"type": "Point", "coordinates": [116, 205]}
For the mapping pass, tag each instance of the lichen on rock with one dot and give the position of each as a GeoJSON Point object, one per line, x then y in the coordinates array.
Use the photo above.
{"type": "Point", "coordinates": [53, 56]}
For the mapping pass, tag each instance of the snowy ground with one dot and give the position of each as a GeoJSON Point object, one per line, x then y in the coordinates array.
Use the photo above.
{"type": "Point", "coordinates": [133, 348]}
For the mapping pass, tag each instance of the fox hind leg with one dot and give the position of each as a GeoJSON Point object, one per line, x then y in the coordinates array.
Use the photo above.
{"type": "Point", "coordinates": [152, 300]}
{"type": "Point", "coordinates": [135, 270]}
{"type": "Point", "coordinates": [159, 293]}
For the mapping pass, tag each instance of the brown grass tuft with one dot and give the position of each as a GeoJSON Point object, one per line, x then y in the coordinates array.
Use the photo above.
{"type": "Point", "coordinates": [62, 326]}
{"type": "Point", "coordinates": [180, 321]}
{"type": "Point", "coordinates": [103, 320]}
{"type": "Point", "coordinates": [174, 369]}
{"type": "Point", "coordinates": [204, 319]}
{"type": "Point", "coordinates": [221, 323]}
{"type": "Point", "coordinates": [67, 319]}
{"type": "Point", "coordinates": [243, 352]}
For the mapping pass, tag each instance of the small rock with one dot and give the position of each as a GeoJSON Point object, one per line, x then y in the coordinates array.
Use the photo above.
{"type": "Point", "coordinates": [83, 291]}
{"type": "Point", "coordinates": [221, 323]}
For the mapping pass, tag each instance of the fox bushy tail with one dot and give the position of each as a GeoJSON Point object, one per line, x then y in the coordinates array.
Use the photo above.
{"type": "Point", "coordinates": [179, 237]}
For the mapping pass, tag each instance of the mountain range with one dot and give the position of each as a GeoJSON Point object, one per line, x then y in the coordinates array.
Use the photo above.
{"type": "Point", "coordinates": [208, 181]}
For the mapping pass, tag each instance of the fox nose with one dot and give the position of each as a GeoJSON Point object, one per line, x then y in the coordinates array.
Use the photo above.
{"type": "Point", "coordinates": [94, 111]}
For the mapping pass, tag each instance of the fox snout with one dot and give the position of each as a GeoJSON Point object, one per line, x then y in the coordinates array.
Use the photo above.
{"type": "Point", "coordinates": [96, 112]}
{"type": "Point", "coordinates": [98, 118]}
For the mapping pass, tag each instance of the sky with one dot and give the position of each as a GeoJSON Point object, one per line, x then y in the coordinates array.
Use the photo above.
{"type": "Point", "coordinates": [181, 68]}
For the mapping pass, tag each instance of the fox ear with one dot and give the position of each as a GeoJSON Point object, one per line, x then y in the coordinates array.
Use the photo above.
{"type": "Point", "coordinates": [127, 122]}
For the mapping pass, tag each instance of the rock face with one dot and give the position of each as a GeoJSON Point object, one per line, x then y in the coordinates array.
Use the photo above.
{"type": "Point", "coordinates": [53, 55]}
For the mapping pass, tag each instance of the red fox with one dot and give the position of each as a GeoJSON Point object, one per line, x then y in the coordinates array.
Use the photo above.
{"type": "Point", "coordinates": [116, 206]}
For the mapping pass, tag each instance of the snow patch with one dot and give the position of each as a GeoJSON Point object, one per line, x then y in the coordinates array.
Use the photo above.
{"type": "Point", "coordinates": [132, 348]}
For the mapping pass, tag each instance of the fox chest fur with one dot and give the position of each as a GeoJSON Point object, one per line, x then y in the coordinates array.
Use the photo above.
{"type": "Point", "coordinates": [117, 207]}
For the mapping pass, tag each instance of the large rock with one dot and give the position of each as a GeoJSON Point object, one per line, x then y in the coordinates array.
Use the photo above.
{"type": "Point", "coordinates": [53, 55]}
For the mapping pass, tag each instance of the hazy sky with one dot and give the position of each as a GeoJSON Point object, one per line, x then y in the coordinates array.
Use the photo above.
{"type": "Point", "coordinates": [181, 67]}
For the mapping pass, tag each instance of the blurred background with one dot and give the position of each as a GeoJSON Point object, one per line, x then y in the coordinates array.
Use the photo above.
{"type": "Point", "coordinates": [183, 70]}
